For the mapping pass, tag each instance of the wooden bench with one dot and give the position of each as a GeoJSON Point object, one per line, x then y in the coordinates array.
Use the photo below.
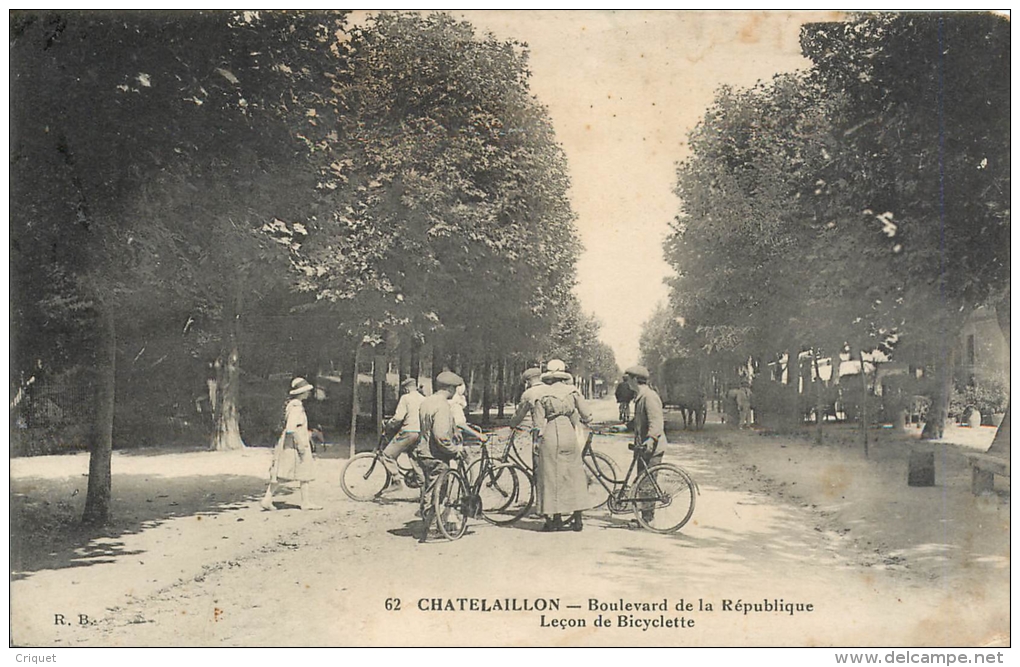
{"type": "Point", "coordinates": [984, 468]}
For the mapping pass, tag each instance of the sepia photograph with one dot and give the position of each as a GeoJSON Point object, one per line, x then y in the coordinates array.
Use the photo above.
{"type": "Point", "coordinates": [517, 328]}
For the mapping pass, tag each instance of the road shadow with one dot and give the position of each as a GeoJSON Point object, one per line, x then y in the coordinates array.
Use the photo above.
{"type": "Point", "coordinates": [162, 450]}
{"type": "Point", "coordinates": [47, 533]}
{"type": "Point", "coordinates": [409, 529]}
{"type": "Point", "coordinates": [413, 529]}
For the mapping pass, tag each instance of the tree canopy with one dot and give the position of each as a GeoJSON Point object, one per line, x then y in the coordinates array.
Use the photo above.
{"type": "Point", "coordinates": [863, 201]}
{"type": "Point", "coordinates": [208, 172]}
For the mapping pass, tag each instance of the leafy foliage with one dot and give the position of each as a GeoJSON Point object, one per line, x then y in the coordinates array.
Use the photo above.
{"type": "Point", "coordinates": [447, 188]}
{"type": "Point", "coordinates": [863, 201]}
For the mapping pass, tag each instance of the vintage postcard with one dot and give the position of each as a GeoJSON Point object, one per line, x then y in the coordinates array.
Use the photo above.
{"type": "Point", "coordinates": [510, 329]}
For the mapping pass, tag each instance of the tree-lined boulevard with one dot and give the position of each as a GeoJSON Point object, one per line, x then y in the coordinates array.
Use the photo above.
{"type": "Point", "coordinates": [207, 205]}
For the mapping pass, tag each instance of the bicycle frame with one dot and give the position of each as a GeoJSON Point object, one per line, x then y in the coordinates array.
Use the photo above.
{"type": "Point", "coordinates": [488, 463]}
{"type": "Point", "coordinates": [513, 454]}
{"type": "Point", "coordinates": [642, 467]}
{"type": "Point", "coordinates": [407, 472]}
{"type": "Point", "coordinates": [638, 467]}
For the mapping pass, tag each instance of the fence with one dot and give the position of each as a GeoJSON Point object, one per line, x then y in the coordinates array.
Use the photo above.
{"type": "Point", "coordinates": [53, 417]}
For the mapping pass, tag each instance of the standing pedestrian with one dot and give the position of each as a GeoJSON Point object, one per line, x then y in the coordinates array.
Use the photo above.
{"type": "Point", "coordinates": [649, 424]}
{"type": "Point", "coordinates": [743, 396]}
{"type": "Point", "coordinates": [624, 395]}
{"type": "Point", "coordinates": [533, 388]}
{"type": "Point", "coordinates": [560, 483]}
{"type": "Point", "coordinates": [292, 457]}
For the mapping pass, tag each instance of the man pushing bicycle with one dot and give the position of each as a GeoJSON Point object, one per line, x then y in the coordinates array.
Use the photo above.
{"type": "Point", "coordinates": [439, 443]}
{"type": "Point", "coordinates": [649, 423]}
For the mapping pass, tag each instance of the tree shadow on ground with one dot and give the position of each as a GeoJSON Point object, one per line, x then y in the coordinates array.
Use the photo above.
{"type": "Point", "coordinates": [46, 532]}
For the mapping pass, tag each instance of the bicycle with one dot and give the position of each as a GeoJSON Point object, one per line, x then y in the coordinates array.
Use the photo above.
{"type": "Point", "coordinates": [506, 488]}
{"type": "Point", "coordinates": [662, 496]}
{"type": "Point", "coordinates": [500, 493]}
{"type": "Point", "coordinates": [596, 465]}
{"type": "Point", "coordinates": [364, 477]}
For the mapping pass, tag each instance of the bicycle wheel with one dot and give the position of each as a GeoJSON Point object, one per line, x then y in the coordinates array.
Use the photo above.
{"type": "Point", "coordinates": [664, 498]}
{"type": "Point", "coordinates": [496, 491]}
{"type": "Point", "coordinates": [452, 504]}
{"type": "Point", "coordinates": [601, 476]}
{"type": "Point", "coordinates": [364, 476]}
{"type": "Point", "coordinates": [605, 467]}
{"type": "Point", "coordinates": [507, 493]}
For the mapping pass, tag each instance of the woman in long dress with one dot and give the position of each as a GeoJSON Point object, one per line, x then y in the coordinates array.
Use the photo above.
{"type": "Point", "coordinates": [560, 481]}
{"type": "Point", "coordinates": [292, 458]}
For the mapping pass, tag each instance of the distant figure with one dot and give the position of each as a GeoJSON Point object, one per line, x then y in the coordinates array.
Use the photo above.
{"type": "Point", "coordinates": [458, 404]}
{"type": "Point", "coordinates": [742, 395]}
{"type": "Point", "coordinates": [971, 417]}
{"type": "Point", "coordinates": [531, 378]}
{"type": "Point", "coordinates": [624, 395]}
{"type": "Point", "coordinates": [292, 457]}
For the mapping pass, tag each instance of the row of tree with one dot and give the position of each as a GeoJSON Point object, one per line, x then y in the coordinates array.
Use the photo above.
{"type": "Point", "coordinates": [202, 186]}
{"type": "Point", "coordinates": [861, 204]}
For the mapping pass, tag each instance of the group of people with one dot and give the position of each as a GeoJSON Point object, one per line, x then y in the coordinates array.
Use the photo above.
{"type": "Point", "coordinates": [434, 428]}
{"type": "Point", "coordinates": [555, 408]}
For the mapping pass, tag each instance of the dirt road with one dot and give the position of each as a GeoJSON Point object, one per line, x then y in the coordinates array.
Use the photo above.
{"type": "Point", "coordinates": [762, 563]}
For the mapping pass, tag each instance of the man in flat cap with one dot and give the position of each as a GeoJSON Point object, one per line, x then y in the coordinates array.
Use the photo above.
{"type": "Point", "coordinates": [437, 444]}
{"type": "Point", "coordinates": [436, 419]}
{"type": "Point", "coordinates": [533, 388]}
{"type": "Point", "coordinates": [407, 419]}
{"type": "Point", "coordinates": [649, 426]}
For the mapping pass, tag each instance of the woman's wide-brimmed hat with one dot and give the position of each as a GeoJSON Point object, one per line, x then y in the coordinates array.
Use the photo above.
{"type": "Point", "coordinates": [410, 382]}
{"type": "Point", "coordinates": [556, 371]}
{"type": "Point", "coordinates": [300, 386]}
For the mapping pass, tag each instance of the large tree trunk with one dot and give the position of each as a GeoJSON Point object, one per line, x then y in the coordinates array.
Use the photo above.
{"type": "Point", "coordinates": [1000, 444]}
{"type": "Point", "coordinates": [819, 399]}
{"type": "Point", "coordinates": [353, 423]}
{"type": "Point", "coordinates": [227, 434]}
{"type": "Point", "coordinates": [97, 501]}
{"type": "Point", "coordinates": [403, 364]}
{"type": "Point", "coordinates": [348, 382]}
{"type": "Point", "coordinates": [438, 361]}
{"type": "Point", "coordinates": [935, 424]}
{"type": "Point", "coordinates": [486, 393]}
{"type": "Point", "coordinates": [864, 404]}
{"type": "Point", "coordinates": [794, 414]}
{"type": "Point", "coordinates": [835, 363]}
{"type": "Point", "coordinates": [415, 366]}
{"type": "Point", "coordinates": [379, 363]}
{"type": "Point", "coordinates": [501, 388]}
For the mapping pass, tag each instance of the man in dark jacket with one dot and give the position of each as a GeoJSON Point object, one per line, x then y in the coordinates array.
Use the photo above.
{"type": "Point", "coordinates": [438, 443]}
{"type": "Point", "coordinates": [649, 422]}
{"type": "Point", "coordinates": [624, 395]}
